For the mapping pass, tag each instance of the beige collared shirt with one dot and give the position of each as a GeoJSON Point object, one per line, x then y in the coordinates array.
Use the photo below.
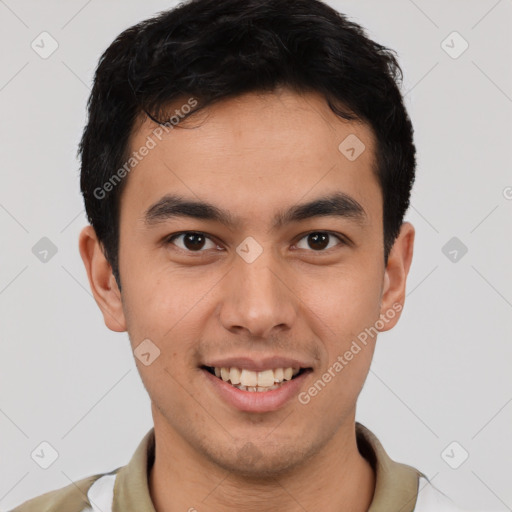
{"type": "Point", "coordinates": [399, 487]}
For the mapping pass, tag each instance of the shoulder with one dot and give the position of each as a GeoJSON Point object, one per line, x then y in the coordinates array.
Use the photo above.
{"type": "Point", "coordinates": [431, 499]}
{"type": "Point", "coordinates": [74, 497]}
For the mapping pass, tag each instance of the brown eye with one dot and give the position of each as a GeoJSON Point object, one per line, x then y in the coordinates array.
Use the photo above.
{"type": "Point", "coordinates": [319, 240]}
{"type": "Point", "coordinates": [191, 241]}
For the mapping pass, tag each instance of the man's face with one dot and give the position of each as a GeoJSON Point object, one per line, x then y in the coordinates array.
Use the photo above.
{"type": "Point", "coordinates": [253, 289]}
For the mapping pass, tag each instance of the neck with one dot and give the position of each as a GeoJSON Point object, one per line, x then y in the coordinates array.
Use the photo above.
{"type": "Point", "coordinates": [335, 479]}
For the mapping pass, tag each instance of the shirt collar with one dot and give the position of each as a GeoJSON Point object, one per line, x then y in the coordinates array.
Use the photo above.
{"type": "Point", "coordinates": [396, 484]}
{"type": "Point", "coordinates": [396, 487]}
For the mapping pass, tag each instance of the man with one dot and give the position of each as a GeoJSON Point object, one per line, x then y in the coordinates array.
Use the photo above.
{"type": "Point", "coordinates": [246, 168]}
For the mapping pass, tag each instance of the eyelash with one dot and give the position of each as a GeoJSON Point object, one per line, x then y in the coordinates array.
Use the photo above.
{"type": "Point", "coordinates": [171, 238]}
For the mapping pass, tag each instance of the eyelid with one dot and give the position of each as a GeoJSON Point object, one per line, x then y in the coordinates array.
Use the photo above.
{"type": "Point", "coordinates": [341, 238]}
{"type": "Point", "coordinates": [169, 240]}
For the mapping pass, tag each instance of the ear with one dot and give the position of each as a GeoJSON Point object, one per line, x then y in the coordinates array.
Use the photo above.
{"type": "Point", "coordinates": [101, 280]}
{"type": "Point", "coordinates": [395, 277]}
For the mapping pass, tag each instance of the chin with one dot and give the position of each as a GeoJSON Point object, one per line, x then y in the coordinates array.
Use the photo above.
{"type": "Point", "coordinates": [259, 463]}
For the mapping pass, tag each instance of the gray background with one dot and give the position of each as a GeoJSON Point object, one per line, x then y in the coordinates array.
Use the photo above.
{"type": "Point", "coordinates": [442, 375]}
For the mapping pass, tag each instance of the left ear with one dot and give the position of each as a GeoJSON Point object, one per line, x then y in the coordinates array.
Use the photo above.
{"type": "Point", "coordinates": [395, 276]}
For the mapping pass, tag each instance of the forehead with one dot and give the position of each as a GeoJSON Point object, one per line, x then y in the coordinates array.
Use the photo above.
{"type": "Point", "coordinates": [252, 152]}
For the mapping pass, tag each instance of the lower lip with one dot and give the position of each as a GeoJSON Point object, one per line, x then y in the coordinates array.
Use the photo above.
{"type": "Point", "coordinates": [257, 401]}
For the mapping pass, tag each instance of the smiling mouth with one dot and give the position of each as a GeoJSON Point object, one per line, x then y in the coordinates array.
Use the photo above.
{"type": "Point", "coordinates": [248, 380]}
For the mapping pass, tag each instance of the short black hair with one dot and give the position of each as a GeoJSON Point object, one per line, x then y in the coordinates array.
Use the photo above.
{"type": "Point", "coordinates": [219, 49]}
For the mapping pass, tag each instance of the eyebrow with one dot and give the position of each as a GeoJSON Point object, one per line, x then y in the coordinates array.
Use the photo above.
{"type": "Point", "coordinates": [338, 204]}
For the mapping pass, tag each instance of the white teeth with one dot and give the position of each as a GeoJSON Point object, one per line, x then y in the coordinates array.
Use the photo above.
{"type": "Point", "coordinates": [288, 373]}
{"type": "Point", "coordinates": [248, 378]}
{"type": "Point", "coordinates": [266, 378]}
{"type": "Point", "coordinates": [255, 381]}
{"type": "Point", "coordinates": [234, 375]}
{"type": "Point", "coordinates": [259, 389]}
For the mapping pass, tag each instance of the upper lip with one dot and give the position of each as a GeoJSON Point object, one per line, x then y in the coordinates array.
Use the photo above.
{"type": "Point", "coordinates": [257, 365]}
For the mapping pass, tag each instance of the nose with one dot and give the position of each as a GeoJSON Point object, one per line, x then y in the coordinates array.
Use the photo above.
{"type": "Point", "coordinates": [257, 298]}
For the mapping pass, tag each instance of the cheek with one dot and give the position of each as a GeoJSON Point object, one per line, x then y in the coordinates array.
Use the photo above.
{"type": "Point", "coordinates": [158, 297]}
{"type": "Point", "coordinates": [348, 299]}
{"type": "Point", "coordinates": [348, 308]}
{"type": "Point", "coordinates": [170, 309]}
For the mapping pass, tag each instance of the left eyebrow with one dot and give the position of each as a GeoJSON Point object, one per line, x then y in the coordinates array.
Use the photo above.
{"type": "Point", "coordinates": [338, 204]}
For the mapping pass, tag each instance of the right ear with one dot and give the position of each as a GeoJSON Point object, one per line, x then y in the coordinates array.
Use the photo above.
{"type": "Point", "coordinates": [101, 280]}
